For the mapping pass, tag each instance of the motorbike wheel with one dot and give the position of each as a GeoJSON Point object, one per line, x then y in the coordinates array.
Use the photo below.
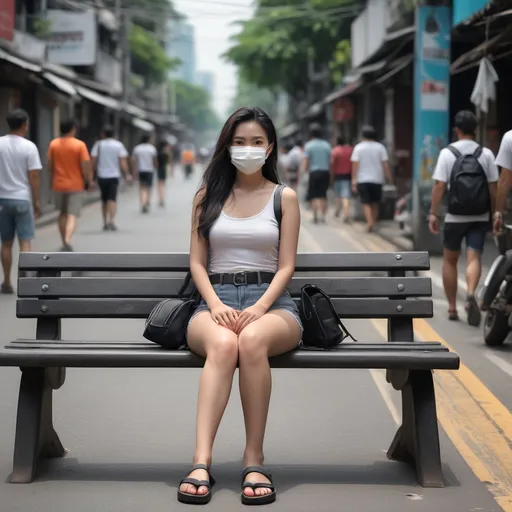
{"type": "Point", "coordinates": [496, 328]}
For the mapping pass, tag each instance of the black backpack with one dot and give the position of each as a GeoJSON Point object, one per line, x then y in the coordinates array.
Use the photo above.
{"type": "Point", "coordinates": [469, 189]}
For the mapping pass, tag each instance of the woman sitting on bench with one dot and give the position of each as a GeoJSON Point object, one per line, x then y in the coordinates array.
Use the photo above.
{"type": "Point", "coordinates": [241, 260]}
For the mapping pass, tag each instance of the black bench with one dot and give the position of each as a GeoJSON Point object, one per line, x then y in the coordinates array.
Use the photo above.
{"type": "Point", "coordinates": [51, 295]}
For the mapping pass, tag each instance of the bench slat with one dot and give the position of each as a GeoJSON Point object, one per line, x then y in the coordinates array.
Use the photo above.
{"type": "Point", "coordinates": [140, 308]}
{"type": "Point", "coordinates": [142, 287]}
{"type": "Point", "coordinates": [378, 359]}
{"type": "Point", "coordinates": [179, 262]}
{"type": "Point", "coordinates": [147, 345]}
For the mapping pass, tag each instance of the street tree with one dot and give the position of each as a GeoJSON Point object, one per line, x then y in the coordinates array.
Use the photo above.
{"type": "Point", "coordinates": [286, 40]}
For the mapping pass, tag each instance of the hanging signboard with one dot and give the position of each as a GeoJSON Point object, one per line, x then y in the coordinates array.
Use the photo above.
{"type": "Point", "coordinates": [72, 39]}
{"type": "Point", "coordinates": [7, 19]}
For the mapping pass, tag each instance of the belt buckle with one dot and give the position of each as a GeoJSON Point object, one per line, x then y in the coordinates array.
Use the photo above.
{"type": "Point", "coordinates": [243, 279]}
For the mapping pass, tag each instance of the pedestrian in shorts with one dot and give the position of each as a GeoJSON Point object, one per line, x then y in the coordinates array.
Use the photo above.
{"type": "Point", "coordinates": [20, 201]}
{"type": "Point", "coordinates": [370, 168]}
{"type": "Point", "coordinates": [110, 159]}
{"type": "Point", "coordinates": [70, 173]}
{"type": "Point", "coordinates": [145, 161]}
{"type": "Point", "coordinates": [467, 174]}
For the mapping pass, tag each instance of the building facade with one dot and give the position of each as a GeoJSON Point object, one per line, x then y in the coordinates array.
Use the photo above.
{"type": "Point", "coordinates": [181, 44]}
{"type": "Point", "coordinates": [206, 79]}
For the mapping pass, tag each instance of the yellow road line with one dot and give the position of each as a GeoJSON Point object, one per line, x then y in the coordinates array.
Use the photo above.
{"type": "Point", "coordinates": [475, 420]}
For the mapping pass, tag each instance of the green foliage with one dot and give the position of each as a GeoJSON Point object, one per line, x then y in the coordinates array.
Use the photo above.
{"type": "Point", "coordinates": [274, 48]}
{"type": "Point", "coordinates": [193, 106]}
{"type": "Point", "coordinates": [250, 95]}
{"type": "Point", "coordinates": [149, 57]}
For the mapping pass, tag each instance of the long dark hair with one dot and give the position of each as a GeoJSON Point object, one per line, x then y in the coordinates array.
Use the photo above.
{"type": "Point", "coordinates": [219, 176]}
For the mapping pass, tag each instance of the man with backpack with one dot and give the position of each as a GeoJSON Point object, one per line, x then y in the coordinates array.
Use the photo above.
{"type": "Point", "coordinates": [468, 174]}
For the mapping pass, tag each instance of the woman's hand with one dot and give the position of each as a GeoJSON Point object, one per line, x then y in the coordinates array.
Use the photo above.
{"type": "Point", "coordinates": [247, 316]}
{"type": "Point", "coordinates": [225, 316]}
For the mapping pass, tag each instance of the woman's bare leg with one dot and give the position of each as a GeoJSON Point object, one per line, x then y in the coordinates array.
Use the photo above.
{"type": "Point", "coordinates": [275, 333]}
{"type": "Point", "coordinates": [161, 192]}
{"type": "Point", "coordinates": [220, 348]}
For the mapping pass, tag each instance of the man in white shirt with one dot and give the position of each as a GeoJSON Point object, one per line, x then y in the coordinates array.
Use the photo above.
{"type": "Point", "coordinates": [144, 160]}
{"type": "Point", "coordinates": [475, 166]}
{"type": "Point", "coordinates": [370, 167]}
{"type": "Point", "coordinates": [20, 165]}
{"type": "Point", "coordinates": [504, 160]}
{"type": "Point", "coordinates": [109, 158]}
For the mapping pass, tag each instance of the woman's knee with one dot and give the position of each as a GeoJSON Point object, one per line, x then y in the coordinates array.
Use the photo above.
{"type": "Point", "coordinates": [223, 349]}
{"type": "Point", "coordinates": [251, 345]}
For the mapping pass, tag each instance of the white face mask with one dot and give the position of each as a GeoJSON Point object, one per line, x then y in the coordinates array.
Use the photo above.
{"type": "Point", "coordinates": [248, 159]}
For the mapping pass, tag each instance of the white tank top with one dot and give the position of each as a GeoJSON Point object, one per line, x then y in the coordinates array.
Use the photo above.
{"type": "Point", "coordinates": [245, 244]}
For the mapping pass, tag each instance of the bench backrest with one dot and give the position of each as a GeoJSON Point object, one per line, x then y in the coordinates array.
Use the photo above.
{"type": "Point", "coordinates": [128, 285]}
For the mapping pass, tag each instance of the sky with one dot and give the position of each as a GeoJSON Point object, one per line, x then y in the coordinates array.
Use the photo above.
{"type": "Point", "coordinates": [213, 23]}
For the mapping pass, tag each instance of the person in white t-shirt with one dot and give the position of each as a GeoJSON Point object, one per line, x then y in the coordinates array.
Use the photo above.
{"type": "Point", "coordinates": [370, 167]}
{"type": "Point", "coordinates": [504, 160]}
{"type": "Point", "coordinates": [20, 164]}
{"type": "Point", "coordinates": [458, 228]}
{"type": "Point", "coordinates": [145, 161]}
{"type": "Point", "coordinates": [109, 158]}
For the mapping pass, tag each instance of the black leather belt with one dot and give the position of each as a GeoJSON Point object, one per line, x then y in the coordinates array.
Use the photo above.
{"type": "Point", "coordinates": [242, 278]}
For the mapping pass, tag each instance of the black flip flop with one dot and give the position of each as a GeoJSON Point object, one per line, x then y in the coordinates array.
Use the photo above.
{"type": "Point", "coordinates": [453, 316]}
{"type": "Point", "coordinates": [473, 311]}
{"type": "Point", "coordinates": [265, 499]}
{"type": "Point", "coordinates": [197, 499]}
{"type": "Point", "coordinates": [6, 289]}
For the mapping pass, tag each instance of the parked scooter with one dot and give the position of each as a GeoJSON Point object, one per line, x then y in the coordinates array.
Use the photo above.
{"type": "Point", "coordinates": [496, 293]}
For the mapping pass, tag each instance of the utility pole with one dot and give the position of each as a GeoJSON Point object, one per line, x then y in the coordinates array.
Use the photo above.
{"type": "Point", "coordinates": [124, 19]}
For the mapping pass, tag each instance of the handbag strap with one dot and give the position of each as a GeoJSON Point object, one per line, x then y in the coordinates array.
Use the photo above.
{"type": "Point", "coordinates": [278, 205]}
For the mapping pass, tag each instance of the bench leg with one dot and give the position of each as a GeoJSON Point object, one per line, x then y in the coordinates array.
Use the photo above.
{"type": "Point", "coordinates": [417, 440]}
{"type": "Point", "coordinates": [35, 436]}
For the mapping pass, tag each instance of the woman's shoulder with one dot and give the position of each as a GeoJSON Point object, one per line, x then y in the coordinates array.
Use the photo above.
{"type": "Point", "coordinates": [289, 196]}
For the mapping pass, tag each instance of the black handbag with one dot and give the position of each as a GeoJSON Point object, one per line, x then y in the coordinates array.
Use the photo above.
{"type": "Point", "coordinates": [323, 328]}
{"type": "Point", "coordinates": [168, 321]}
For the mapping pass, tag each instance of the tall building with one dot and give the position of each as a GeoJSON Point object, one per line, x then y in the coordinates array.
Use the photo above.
{"type": "Point", "coordinates": [206, 79]}
{"type": "Point", "coordinates": [181, 44]}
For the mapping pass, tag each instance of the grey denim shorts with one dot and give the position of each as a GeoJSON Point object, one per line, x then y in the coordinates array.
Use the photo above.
{"type": "Point", "coordinates": [243, 297]}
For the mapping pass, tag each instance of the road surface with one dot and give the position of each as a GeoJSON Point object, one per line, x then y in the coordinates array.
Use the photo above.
{"type": "Point", "coordinates": [130, 433]}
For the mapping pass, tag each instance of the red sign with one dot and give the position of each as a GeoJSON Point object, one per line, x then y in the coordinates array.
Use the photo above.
{"type": "Point", "coordinates": [7, 14]}
{"type": "Point", "coordinates": [343, 110]}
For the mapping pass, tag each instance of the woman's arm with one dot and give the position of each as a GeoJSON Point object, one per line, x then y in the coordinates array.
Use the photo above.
{"type": "Point", "coordinates": [199, 269]}
{"type": "Point", "coordinates": [290, 225]}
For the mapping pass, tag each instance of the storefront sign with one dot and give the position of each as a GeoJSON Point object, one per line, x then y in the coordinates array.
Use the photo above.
{"type": "Point", "coordinates": [432, 88]}
{"type": "Point", "coordinates": [342, 110]}
{"type": "Point", "coordinates": [72, 39]}
{"type": "Point", "coordinates": [29, 46]}
{"type": "Point", "coordinates": [7, 15]}
{"type": "Point", "coordinates": [464, 9]}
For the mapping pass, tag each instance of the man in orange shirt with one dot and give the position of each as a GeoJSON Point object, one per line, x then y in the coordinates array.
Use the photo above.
{"type": "Point", "coordinates": [70, 170]}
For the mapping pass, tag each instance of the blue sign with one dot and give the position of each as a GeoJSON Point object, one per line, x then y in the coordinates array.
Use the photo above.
{"type": "Point", "coordinates": [431, 89]}
{"type": "Point", "coordinates": [464, 9]}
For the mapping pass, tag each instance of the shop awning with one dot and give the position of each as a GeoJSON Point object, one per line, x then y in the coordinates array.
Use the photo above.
{"type": "Point", "coordinates": [345, 91]}
{"type": "Point", "coordinates": [135, 111]}
{"type": "Point", "coordinates": [498, 46]}
{"type": "Point", "coordinates": [289, 130]}
{"type": "Point", "coordinates": [396, 66]}
{"type": "Point", "coordinates": [17, 61]}
{"type": "Point", "coordinates": [100, 99]}
{"type": "Point", "coordinates": [145, 126]}
{"type": "Point", "coordinates": [61, 84]}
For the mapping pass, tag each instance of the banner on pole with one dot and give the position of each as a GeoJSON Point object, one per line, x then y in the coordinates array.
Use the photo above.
{"type": "Point", "coordinates": [431, 89]}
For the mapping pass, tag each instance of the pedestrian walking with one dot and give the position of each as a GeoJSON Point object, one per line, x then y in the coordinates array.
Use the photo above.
{"type": "Point", "coordinates": [164, 160]}
{"type": "Point", "coordinates": [317, 161]}
{"type": "Point", "coordinates": [145, 161]}
{"type": "Point", "coordinates": [241, 267]}
{"type": "Point", "coordinates": [467, 174]}
{"type": "Point", "coordinates": [19, 191]}
{"type": "Point", "coordinates": [341, 177]}
{"type": "Point", "coordinates": [504, 161]}
{"type": "Point", "coordinates": [294, 164]}
{"type": "Point", "coordinates": [70, 171]}
{"type": "Point", "coordinates": [188, 159]}
{"type": "Point", "coordinates": [370, 168]}
{"type": "Point", "coordinates": [110, 159]}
